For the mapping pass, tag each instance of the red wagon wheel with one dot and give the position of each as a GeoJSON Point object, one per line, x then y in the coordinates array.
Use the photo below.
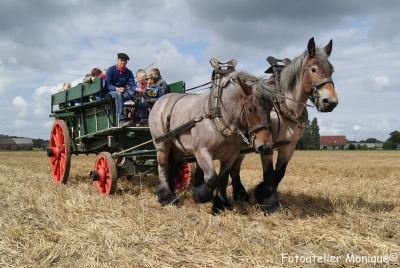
{"type": "Point", "coordinates": [59, 151]}
{"type": "Point", "coordinates": [185, 173]}
{"type": "Point", "coordinates": [105, 174]}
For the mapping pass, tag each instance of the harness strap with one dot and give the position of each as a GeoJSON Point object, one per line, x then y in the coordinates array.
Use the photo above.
{"type": "Point", "coordinates": [214, 107]}
{"type": "Point", "coordinates": [182, 128]}
{"type": "Point", "coordinates": [281, 107]}
{"type": "Point", "coordinates": [171, 134]}
{"type": "Point", "coordinates": [322, 82]}
{"type": "Point", "coordinates": [170, 113]}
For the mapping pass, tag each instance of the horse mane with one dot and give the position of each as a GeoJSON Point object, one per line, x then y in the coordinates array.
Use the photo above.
{"type": "Point", "coordinates": [292, 72]}
{"type": "Point", "coordinates": [262, 90]}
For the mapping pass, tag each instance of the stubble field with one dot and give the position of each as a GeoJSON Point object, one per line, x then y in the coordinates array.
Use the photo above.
{"type": "Point", "coordinates": [339, 209]}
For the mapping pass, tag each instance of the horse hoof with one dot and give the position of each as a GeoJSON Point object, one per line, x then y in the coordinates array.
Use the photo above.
{"type": "Point", "coordinates": [241, 195]}
{"type": "Point", "coordinates": [202, 194]}
{"type": "Point", "coordinates": [219, 204]}
{"type": "Point", "coordinates": [165, 197]}
{"type": "Point", "coordinates": [270, 205]}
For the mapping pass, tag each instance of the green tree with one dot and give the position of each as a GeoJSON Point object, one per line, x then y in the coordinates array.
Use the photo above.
{"type": "Point", "coordinates": [37, 143]}
{"type": "Point", "coordinates": [392, 142]}
{"type": "Point", "coordinates": [371, 140]}
{"type": "Point", "coordinates": [314, 130]}
{"type": "Point", "coordinates": [310, 138]}
{"type": "Point", "coordinates": [304, 142]}
{"type": "Point", "coordinates": [352, 147]}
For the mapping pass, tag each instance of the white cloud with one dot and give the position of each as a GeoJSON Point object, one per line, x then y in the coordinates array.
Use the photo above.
{"type": "Point", "coordinates": [20, 106]}
{"type": "Point", "coordinates": [22, 123]}
{"type": "Point", "coordinates": [358, 127]}
{"type": "Point", "coordinates": [377, 82]}
{"type": "Point", "coordinates": [44, 45]}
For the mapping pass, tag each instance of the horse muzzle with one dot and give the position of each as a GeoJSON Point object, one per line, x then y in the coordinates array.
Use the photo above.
{"type": "Point", "coordinates": [326, 101]}
{"type": "Point", "coordinates": [263, 141]}
{"type": "Point", "coordinates": [326, 105]}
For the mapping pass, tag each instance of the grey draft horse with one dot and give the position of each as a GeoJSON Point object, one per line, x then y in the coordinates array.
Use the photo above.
{"type": "Point", "coordinates": [306, 77]}
{"type": "Point", "coordinates": [245, 108]}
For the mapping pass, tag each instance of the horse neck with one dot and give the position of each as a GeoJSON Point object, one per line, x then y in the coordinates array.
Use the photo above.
{"type": "Point", "coordinates": [296, 97]}
{"type": "Point", "coordinates": [299, 97]}
{"type": "Point", "coordinates": [229, 104]}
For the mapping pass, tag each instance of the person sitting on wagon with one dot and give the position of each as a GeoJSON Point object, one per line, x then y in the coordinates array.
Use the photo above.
{"type": "Point", "coordinates": [90, 77]}
{"type": "Point", "coordinates": [142, 107]}
{"type": "Point", "coordinates": [159, 81]}
{"type": "Point", "coordinates": [120, 84]}
{"type": "Point", "coordinates": [152, 92]}
{"type": "Point", "coordinates": [141, 83]}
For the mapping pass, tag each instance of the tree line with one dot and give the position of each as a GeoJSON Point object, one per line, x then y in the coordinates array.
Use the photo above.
{"type": "Point", "coordinates": [311, 139]}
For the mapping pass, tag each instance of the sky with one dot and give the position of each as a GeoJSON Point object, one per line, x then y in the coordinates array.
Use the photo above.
{"type": "Point", "coordinates": [45, 43]}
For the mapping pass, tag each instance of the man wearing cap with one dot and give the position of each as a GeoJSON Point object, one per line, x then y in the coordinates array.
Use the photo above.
{"type": "Point", "coordinates": [120, 84]}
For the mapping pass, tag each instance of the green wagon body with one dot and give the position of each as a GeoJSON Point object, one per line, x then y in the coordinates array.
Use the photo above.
{"type": "Point", "coordinates": [89, 114]}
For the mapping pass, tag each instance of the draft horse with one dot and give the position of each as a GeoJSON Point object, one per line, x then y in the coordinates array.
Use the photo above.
{"type": "Point", "coordinates": [306, 77]}
{"type": "Point", "coordinates": [206, 126]}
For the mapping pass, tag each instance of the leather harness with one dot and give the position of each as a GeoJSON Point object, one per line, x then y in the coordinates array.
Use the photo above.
{"type": "Point", "coordinates": [221, 70]}
{"type": "Point", "coordinates": [280, 103]}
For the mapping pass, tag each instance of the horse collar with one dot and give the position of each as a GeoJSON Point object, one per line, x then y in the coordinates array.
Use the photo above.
{"type": "Point", "coordinates": [215, 110]}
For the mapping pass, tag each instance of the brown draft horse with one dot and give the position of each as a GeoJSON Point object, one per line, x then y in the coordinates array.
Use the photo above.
{"type": "Point", "coordinates": [245, 106]}
{"type": "Point", "coordinates": [307, 76]}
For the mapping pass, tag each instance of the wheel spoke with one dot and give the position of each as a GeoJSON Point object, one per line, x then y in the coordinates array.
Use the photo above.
{"type": "Point", "coordinates": [62, 167]}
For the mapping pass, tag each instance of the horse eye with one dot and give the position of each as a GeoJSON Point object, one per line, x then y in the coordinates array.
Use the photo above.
{"type": "Point", "coordinates": [313, 69]}
{"type": "Point", "coordinates": [252, 109]}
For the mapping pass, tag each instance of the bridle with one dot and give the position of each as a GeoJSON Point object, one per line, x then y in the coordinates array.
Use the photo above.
{"type": "Point", "coordinates": [215, 113]}
{"type": "Point", "coordinates": [251, 129]}
{"type": "Point", "coordinates": [313, 92]}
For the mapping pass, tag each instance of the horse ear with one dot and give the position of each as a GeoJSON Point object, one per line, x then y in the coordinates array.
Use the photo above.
{"type": "Point", "coordinates": [214, 63]}
{"type": "Point", "coordinates": [247, 89]}
{"type": "Point", "coordinates": [328, 48]}
{"type": "Point", "coordinates": [311, 47]}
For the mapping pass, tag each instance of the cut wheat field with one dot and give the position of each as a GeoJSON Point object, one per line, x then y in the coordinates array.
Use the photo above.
{"type": "Point", "coordinates": [335, 205]}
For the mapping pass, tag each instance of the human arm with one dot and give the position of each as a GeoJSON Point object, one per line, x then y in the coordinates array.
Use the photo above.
{"type": "Point", "coordinates": [131, 84]}
{"type": "Point", "coordinates": [109, 85]}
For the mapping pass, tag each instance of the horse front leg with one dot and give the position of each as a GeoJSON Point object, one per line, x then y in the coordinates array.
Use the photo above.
{"type": "Point", "coordinates": [284, 157]}
{"type": "Point", "coordinates": [164, 193]}
{"type": "Point", "coordinates": [220, 201]}
{"type": "Point", "coordinates": [239, 192]}
{"type": "Point", "coordinates": [265, 192]}
{"type": "Point", "coordinates": [204, 192]}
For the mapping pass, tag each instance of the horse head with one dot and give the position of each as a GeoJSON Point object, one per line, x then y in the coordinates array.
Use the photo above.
{"type": "Point", "coordinates": [317, 77]}
{"type": "Point", "coordinates": [256, 106]}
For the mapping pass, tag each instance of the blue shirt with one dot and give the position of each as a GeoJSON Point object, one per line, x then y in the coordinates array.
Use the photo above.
{"type": "Point", "coordinates": [153, 93]}
{"type": "Point", "coordinates": [116, 78]}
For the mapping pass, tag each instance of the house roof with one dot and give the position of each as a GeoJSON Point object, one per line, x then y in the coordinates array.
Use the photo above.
{"type": "Point", "coordinates": [23, 141]}
{"type": "Point", "coordinates": [6, 141]}
{"type": "Point", "coordinates": [332, 140]}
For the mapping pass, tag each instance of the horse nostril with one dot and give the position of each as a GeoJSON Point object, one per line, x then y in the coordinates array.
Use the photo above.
{"type": "Point", "coordinates": [325, 101]}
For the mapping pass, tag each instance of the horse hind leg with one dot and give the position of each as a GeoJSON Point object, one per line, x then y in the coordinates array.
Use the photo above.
{"type": "Point", "coordinates": [165, 194]}
{"type": "Point", "coordinates": [198, 178]}
{"type": "Point", "coordinates": [204, 192]}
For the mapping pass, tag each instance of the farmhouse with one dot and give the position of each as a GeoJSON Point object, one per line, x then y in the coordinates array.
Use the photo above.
{"type": "Point", "coordinates": [332, 142]}
{"type": "Point", "coordinates": [7, 143]}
